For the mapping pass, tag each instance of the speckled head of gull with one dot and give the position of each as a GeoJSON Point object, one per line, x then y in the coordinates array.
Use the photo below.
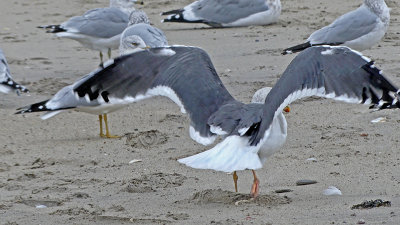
{"type": "Point", "coordinates": [227, 13]}
{"type": "Point", "coordinates": [359, 29]}
{"type": "Point", "coordinates": [7, 84]}
{"type": "Point", "coordinates": [138, 16]}
{"type": "Point", "coordinates": [251, 132]}
{"type": "Point", "coordinates": [97, 29]}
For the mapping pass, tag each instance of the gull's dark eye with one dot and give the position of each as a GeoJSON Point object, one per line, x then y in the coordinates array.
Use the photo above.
{"type": "Point", "coordinates": [134, 44]}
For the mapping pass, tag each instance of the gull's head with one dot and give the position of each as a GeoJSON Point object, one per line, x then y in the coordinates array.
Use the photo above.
{"type": "Point", "coordinates": [131, 44]}
{"type": "Point", "coordinates": [260, 96]}
{"type": "Point", "coordinates": [138, 16]}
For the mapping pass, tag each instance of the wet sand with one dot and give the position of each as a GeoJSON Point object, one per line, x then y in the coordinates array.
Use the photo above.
{"type": "Point", "coordinates": [83, 179]}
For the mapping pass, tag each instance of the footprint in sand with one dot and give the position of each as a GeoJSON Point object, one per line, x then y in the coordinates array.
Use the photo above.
{"type": "Point", "coordinates": [153, 182]}
{"type": "Point", "coordinates": [146, 139]}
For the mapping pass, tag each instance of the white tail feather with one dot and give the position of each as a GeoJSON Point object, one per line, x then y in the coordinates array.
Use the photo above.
{"type": "Point", "coordinates": [49, 114]}
{"type": "Point", "coordinates": [232, 154]}
{"type": "Point", "coordinates": [5, 89]}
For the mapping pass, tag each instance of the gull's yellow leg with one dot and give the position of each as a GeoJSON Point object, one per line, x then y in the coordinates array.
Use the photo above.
{"type": "Point", "coordinates": [101, 126]}
{"type": "Point", "coordinates": [108, 135]}
{"type": "Point", "coordinates": [109, 53]}
{"type": "Point", "coordinates": [101, 58]}
{"type": "Point", "coordinates": [254, 188]}
{"type": "Point", "coordinates": [235, 178]}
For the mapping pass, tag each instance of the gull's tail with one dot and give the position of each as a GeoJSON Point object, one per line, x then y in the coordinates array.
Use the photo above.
{"type": "Point", "coordinates": [232, 154]}
{"type": "Point", "coordinates": [52, 28]}
{"type": "Point", "coordinates": [297, 48]}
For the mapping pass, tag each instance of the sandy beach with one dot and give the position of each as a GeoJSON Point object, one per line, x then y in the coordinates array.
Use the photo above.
{"type": "Point", "coordinates": [80, 178]}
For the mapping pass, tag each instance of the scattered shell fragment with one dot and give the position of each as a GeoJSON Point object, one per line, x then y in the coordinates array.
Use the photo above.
{"type": "Point", "coordinates": [332, 191]}
{"type": "Point", "coordinates": [135, 161]}
{"type": "Point", "coordinates": [372, 204]}
{"type": "Point", "coordinates": [305, 182]}
{"type": "Point", "coordinates": [379, 120]}
{"type": "Point", "coordinates": [311, 159]}
{"type": "Point", "coordinates": [41, 206]}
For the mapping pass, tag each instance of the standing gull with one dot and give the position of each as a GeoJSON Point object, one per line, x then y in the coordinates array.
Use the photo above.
{"type": "Point", "coordinates": [252, 132]}
{"type": "Point", "coordinates": [6, 82]}
{"type": "Point", "coordinates": [66, 99]}
{"type": "Point", "coordinates": [97, 29]}
{"type": "Point", "coordinates": [359, 29]}
{"type": "Point", "coordinates": [227, 13]}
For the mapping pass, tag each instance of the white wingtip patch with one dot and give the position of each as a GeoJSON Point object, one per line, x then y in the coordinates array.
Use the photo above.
{"type": "Point", "coordinates": [243, 131]}
{"type": "Point", "coordinates": [217, 130]}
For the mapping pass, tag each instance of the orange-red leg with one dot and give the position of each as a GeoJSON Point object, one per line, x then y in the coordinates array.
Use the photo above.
{"type": "Point", "coordinates": [254, 189]}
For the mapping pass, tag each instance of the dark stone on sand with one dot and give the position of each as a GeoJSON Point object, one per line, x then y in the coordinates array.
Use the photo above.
{"type": "Point", "coordinates": [283, 191]}
{"type": "Point", "coordinates": [305, 182]}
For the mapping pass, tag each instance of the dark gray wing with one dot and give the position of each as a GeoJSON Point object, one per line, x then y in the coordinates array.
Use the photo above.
{"type": "Point", "coordinates": [230, 118]}
{"type": "Point", "coordinates": [331, 72]}
{"type": "Point", "coordinates": [184, 74]}
{"type": "Point", "coordinates": [348, 27]}
{"type": "Point", "coordinates": [100, 22]}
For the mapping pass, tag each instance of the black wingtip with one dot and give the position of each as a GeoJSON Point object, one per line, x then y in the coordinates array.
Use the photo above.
{"type": "Point", "coordinates": [15, 86]}
{"type": "Point", "coordinates": [175, 11]}
{"type": "Point", "coordinates": [52, 28]}
{"type": "Point", "coordinates": [297, 48]}
{"type": "Point", "coordinates": [390, 94]}
{"type": "Point", "coordinates": [37, 107]}
{"type": "Point", "coordinates": [178, 17]}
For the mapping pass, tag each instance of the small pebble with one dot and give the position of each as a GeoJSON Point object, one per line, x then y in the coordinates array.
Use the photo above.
{"type": "Point", "coordinates": [283, 190]}
{"type": "Point", "coordinates": [312, 159]}
{"type": "Point", "coordinates": [305, 182]}
{"type": "Point", "coordinates": [361, 221]}
{"type": "Point", "coordinates": [41, 206]}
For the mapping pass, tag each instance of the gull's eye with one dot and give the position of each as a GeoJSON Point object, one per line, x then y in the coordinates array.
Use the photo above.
{"type": "Point", "coordinates": [134, 44]}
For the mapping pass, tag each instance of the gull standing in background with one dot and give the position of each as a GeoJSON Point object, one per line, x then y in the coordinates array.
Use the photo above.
{"type": "Point", "coordinates": [227, 13]}
{"type": "Point", "coordinates": [359, 29]}
{"type": "Point", "coordinates": [97, 29]}
{"type": "Point", "coordinates": [66, 99]}
{"type": "Point", "coordinates": [6, 82]}
{"type": "Point", "coordinates": [252, 132]}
